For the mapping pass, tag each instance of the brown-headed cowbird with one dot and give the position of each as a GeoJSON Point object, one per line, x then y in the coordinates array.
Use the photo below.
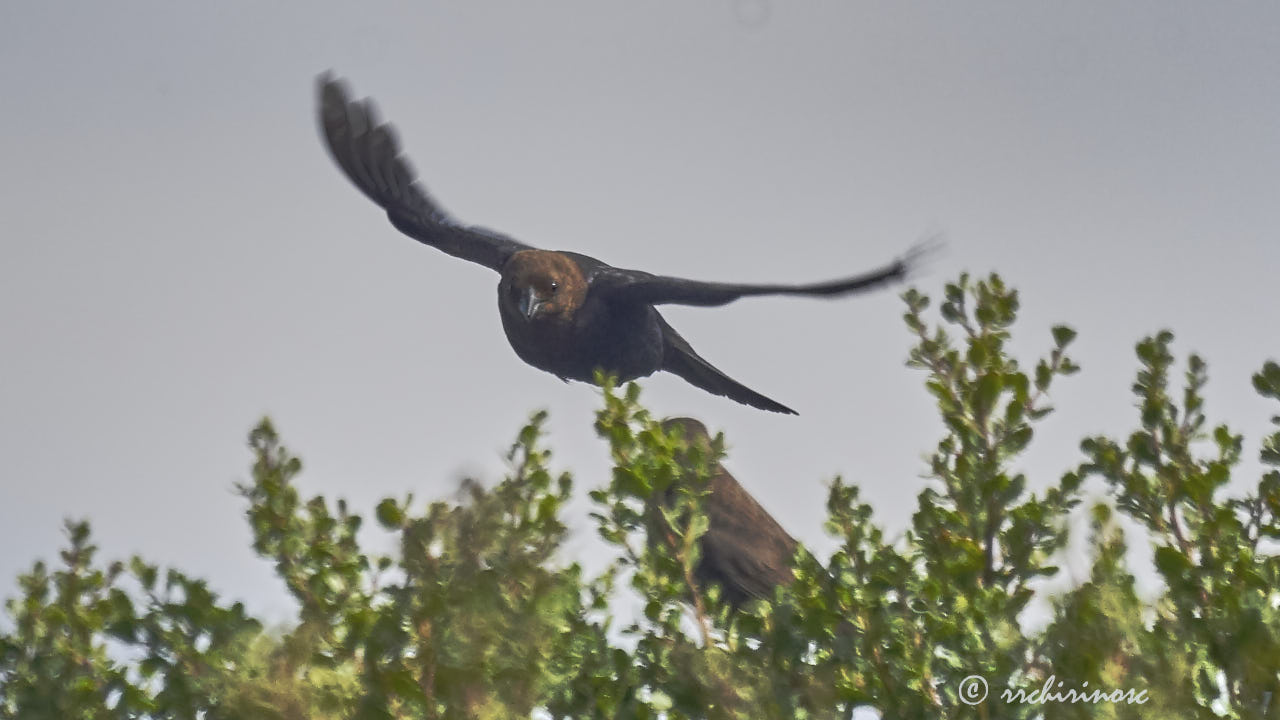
{"type": "Point", "coordinates": [744, 550]}
{"type": "Point", "coordinates": [563, 312]}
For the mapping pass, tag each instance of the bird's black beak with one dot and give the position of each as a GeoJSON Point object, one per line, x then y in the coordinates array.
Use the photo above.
{"type": "Point", "coordinates": [530, 303]}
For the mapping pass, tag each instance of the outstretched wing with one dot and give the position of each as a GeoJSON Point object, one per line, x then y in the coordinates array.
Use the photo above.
{"type": "Point", "coordinates": [639, 286]}
{"type": "Point", "coordinates": [369, 155]}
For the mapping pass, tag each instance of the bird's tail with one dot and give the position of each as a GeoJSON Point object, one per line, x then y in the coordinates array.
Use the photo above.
{"type": "Point", "coordinates": [679, 357]}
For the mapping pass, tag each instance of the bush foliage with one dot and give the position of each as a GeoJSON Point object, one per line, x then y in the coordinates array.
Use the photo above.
{"type": "Point", "coordinates": [478, 615]}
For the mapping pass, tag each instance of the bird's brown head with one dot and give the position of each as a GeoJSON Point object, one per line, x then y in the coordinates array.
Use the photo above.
{"type": "Point", "coordinates": [543, 285]}
{"type": "Point", "coordinates": [695, 433]}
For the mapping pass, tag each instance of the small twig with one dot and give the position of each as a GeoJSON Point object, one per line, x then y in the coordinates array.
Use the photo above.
{"type": "Point", "coordinates": [699, 609]}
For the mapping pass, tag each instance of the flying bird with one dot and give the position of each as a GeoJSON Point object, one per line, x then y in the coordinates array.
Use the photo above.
{"type": "Point", "coordinates": [563, 312]}
{"type": "Point", "coordinates": [744, 550]}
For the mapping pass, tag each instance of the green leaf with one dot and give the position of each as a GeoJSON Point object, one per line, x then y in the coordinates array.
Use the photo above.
{"type": "Point", "coordinates": [1171, 562]}
{"type": "Point", "coordinates": [986, 393]}
{"type": "Point", "coordinates": [1063, 335]}
{"type": "Point", "coordinates": [390, 515]}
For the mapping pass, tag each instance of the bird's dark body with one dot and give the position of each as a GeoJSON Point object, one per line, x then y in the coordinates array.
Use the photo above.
{"type": "Point", "coordinates": [622, 339]}
{"type": "Point", "coordinates": [744, 550]}
{"type": "Point", "coordinates": [565, 313]}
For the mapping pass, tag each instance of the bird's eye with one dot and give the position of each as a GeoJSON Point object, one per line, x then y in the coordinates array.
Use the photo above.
{"type": "Point", "coordinates": [555, 286]}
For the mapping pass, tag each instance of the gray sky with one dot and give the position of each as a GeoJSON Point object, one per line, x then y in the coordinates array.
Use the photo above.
{"type": "Point", "coordinates": [180, 256]}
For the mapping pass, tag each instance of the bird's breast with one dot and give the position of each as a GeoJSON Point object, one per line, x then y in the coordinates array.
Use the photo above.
{"type": "Point", "coordinates": [625, 342]}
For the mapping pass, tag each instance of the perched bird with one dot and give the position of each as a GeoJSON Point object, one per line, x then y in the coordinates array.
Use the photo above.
{"type": "Point", "coordinates": [563, 312]}
{"type": "Point", "coordinates": [744, 550]}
